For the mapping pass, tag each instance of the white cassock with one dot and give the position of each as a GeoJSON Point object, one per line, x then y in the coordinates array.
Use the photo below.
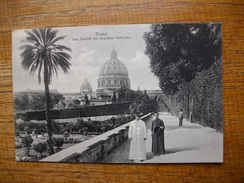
{"type": "Point", "coordinates": [138, 132]}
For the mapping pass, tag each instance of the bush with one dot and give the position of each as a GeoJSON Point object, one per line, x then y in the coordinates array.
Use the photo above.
{"type": "Point", "coordinates": [27, 141]}
{"type": "Point", "coordinates": [66, 134]}
{"type": "Point", "coordinates": [58, 142]}
{"type": "Point", "coordinates": [21, 126]}
{"type": "Point", "coordinates": [28, 130]}
{"type": "Point", "coordinates": [17, 133]}
{"type": "Point", "coordinates": [49, 143]}
{"type": "Point", "coordinates": [40, 147]}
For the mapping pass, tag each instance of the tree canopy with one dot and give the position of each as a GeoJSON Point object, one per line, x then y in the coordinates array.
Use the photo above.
{"type": "Point", "coordinates": [42, 52]}
{"type": "Point", "coordinates": [178, 52]}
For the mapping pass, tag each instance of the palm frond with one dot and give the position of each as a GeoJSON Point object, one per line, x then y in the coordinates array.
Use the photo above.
{"type": "Point", "coordinates": [42, 50]}
{"type": "Point", "coordinates": [61, 47]}
{"type": "Point", "coordinates": [42, 32]}
{"type": "Point", "coordinates": [61, 61]}
{"type": "Point", "coordinates": [56, 39]}
{"type": "Point", "coordinates": [51, 36]}
{"type": "Point", "coordinates": [29, 47]}
{"type": "Point", "coordinates": [34, 37]}
{"type": "Point", "coordinates": [28, 58]}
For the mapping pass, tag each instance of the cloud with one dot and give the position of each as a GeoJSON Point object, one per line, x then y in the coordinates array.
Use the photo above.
{"type": "Point", "coordinates": [140, 72]}
{"type": "Point", "coordinates": [88, 57]}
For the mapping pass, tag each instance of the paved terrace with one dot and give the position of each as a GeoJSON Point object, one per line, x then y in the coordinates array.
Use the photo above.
{"type": "Point", "coordinates": [190, 143]}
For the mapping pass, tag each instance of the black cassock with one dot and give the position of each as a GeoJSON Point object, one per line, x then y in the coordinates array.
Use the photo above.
{"type": "Point", "coordinates": [158, 137]}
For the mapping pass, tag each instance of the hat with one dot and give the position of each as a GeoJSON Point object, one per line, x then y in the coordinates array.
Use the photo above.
{"type": "Point", "coordinates": [156, 114]}
{"type": "Point", "coordinates": [137, 113]}
{"type": "Point", "coordinates": [156, 130]}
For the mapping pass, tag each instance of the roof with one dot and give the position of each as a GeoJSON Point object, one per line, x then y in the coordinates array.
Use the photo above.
{"type": "Point", "coordinates": [113, 67]}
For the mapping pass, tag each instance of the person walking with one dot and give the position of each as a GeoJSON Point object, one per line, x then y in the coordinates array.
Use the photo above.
{"type": "Point", "coordinates": [137, 135]}
{"type": "Point", "coordinates": [181, 118]}
{"type": "Point", "coordinates": [157, 130]}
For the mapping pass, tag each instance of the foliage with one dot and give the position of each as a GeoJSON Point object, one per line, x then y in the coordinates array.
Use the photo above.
{"type": "Point", "coordinates": [28, 130]}
{"type": "Point", "coordinates": [178, 52]}
{"type": "Point", "coordinates": [35, 101]}
{"type": "Point", "coordinates": [66, 134]}
{"type": "Point", "coordinates": [49, 143]}
{"type": "Point", "coordinates": [21, 103]}
{"type": "Point", "coordinates": [58, 142]}
{"type": "Point", "coordinates": [114, 99]}
{"type": "Point", "coordinates": [76, 102]}
{"type": "Point", "coordinates": [38, 127]}
{"type": "Point", "coordinates": [40, 147]}
{"type": "Point", "coordinates": [142, 103]}
{"type": "Point", "coordinates": [86, 100]}
{"type": "Point", "coordinates": [125, 94]}
{"type": "Point", "coordinates": [42, 54]}
{"type": "Point", "coordinates": [42, 51]}
{"type": "Point", "coordinates": [20, 126]}
{"type": "Point", "coordinates": [140, 100]}
{"type": "Point", "coordinates": [206, 106]}
{"type": "Point", "coordinates": [27, 141]}
{"type": "Point", "coordinates": [17, 133]}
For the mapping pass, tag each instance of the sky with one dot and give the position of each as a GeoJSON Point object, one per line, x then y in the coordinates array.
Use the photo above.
{"type": "Point", "coordinates": [91, 48]}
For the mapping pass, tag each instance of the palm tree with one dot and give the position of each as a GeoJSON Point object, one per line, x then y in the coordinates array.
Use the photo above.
{"type": "Point", "coordinates": [42, 54]}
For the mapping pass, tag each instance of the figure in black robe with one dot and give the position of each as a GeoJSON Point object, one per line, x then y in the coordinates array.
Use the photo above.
{"type": "Point", "coordinates": [157, 129]}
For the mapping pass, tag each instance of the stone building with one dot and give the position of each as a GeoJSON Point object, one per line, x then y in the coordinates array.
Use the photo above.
{"type": "Point", "coordinates": [113, 75]}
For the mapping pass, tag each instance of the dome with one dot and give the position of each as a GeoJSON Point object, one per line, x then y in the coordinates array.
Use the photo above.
{"type": "Point", "coordinates": [86, 87]}
{"type": "Point", "coordinates": [113, 75]}
{"type": "Point", "coordinates": [113, 67]}
{"type": "Point", "coordinates": [86, 84]}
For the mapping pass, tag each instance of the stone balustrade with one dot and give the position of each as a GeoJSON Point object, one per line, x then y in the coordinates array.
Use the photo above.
{"type": "Point", "coordinates": [95, 148]}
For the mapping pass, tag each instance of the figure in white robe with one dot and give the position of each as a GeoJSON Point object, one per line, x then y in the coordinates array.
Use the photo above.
{"type": "Point", "coordinates": [137, 134]}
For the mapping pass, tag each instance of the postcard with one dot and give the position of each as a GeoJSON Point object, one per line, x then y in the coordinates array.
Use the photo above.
{"type": "Point", "coordinates": [142, 93]}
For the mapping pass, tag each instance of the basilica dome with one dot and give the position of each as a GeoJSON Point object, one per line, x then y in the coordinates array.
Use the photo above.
{"type": "Point", "coordinates": [86, 86]}
{"type": "Point", "coordinates": [113, 67]}
{"type": "Point", "coordinates": [113, 75]}
{"type": "Point", "coordinates": [86, 89]}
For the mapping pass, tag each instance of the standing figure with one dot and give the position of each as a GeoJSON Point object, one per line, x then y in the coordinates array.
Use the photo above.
{"type": "Point", "coordinates": [157, 129]}
{"type": "Point", "coordinates": [137, 135]}
{"type": "Point", "coordinates": [181, 118]}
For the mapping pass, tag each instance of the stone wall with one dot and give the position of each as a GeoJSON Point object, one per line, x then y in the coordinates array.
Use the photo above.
{"type": "Point", "coordinates": [96, 148]}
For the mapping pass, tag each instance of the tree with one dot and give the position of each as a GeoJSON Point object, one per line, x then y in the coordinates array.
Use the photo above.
{"type": "Point", "coordinates": [58, 142]}
{"type": "Point", "coordinates": [27, 141]}
{"type": "Point", "coordinates": [125, 94]}
{"type": "Point", "coordinates": [21, 103]}
{"type": "Point", "coordinates": [35, 101]}
{"type": "Point", "coordinates": [86, 100]}
{"type": "Point", "coordinates": [114, 98]}
{"type": "Point", "coordinates": [40, 147]}
{"type": "Point", "coordinates": [178, 52]}
{"type": "Point", "coordinates": [76, 102]}
{"type": "Point", "coordinates": [42, 54]}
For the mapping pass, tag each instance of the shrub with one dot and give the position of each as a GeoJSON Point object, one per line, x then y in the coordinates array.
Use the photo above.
{"type": "Point", "coordinates": [66, 135]}
{"type": "Point", "coordinates": [17, 133]}
{"type": "Point", "coordinates": [49, 145]}
{"type": "Point", "coordinates": [28, 130]}
{"type": "Point", "coordinates": [40, 147]}
{"type": "Point", "coordinates": [20, 126]}
{"type": "Point", "coordinates": [27, 141]}
{"type": "Point", "coordinates": [58, 142]}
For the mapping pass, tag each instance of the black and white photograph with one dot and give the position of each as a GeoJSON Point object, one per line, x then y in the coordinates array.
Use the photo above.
{"type": "Point", "coordinates": [137, 93]}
